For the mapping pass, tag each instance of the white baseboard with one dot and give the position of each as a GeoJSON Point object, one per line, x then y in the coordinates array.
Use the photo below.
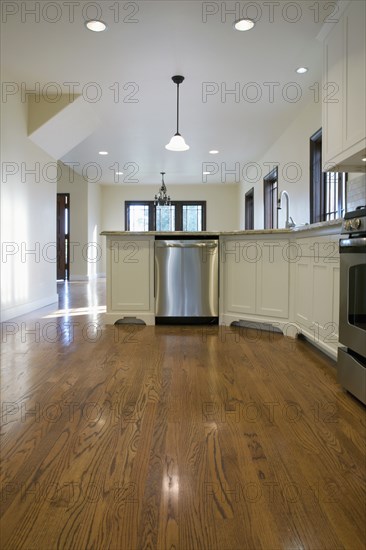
{"type": "Point", "coordinates": [17, 311]}
{"type": "Point", "coordinates": [87, 278]}
{"type": "Point", "coordinates": [77, 278]}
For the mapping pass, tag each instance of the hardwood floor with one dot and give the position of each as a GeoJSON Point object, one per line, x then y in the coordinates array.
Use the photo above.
{"type": "Point", "coordinates": [182, 438]}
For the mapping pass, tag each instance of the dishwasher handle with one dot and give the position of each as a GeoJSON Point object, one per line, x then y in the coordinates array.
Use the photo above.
{"type": "Point", "coordinates": [186, 244]}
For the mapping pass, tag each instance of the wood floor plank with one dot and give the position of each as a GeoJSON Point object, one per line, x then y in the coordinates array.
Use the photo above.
{"type": "Point", "coordinates": [174, 437]}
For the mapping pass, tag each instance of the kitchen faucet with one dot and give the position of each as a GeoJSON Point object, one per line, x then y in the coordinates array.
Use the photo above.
{"type": "Point", "coordinates": [289, 221]}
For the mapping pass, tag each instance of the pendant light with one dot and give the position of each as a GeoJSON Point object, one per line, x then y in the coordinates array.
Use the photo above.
{"type": "Point", "coordinates": [162, 198]}
{"type": "Point", "coordinates": [177, 142]}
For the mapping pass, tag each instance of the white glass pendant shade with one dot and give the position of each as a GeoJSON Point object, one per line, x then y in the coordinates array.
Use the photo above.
{"type": "Point", "coordinates": [177, 143]}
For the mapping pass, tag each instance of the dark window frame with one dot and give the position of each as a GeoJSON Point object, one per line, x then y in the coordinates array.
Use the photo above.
{"type": "Point", "coordinates": [270, 199]}
{"type": "Point", "coordinates": [150, 204]}
{"type": "Point", "coordinates": [319, 181]}
{"type": "Point", "coordinates": [178, 213]}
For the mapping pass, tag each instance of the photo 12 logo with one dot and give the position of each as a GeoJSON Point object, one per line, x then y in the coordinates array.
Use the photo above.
{"type": "Point", "coordinates": [53, 92]}
{"type": "Point", "coordinates": [53, 172]}
{"type": "Point", "coordinates": [69, 12]}
{"type": "Point", "coordinates": [268, 92]}
{"type": "Point", "coordinates": [250, 172]}
{"type": "Point", "coordinates": [271, 12]}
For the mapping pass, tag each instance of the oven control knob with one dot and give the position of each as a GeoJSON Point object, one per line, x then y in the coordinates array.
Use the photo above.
{"type": "Point", "coordinates": [356, 223]}
{"type": "Point", "coordinates": [347, 225]}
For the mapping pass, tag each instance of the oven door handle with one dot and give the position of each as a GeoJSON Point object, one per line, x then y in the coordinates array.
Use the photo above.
{"type": "Point", "coordinates": [358, 242]}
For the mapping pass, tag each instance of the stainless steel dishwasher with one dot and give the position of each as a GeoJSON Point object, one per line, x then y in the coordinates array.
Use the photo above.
{"type": "Point", "coordinates": [186, 279]}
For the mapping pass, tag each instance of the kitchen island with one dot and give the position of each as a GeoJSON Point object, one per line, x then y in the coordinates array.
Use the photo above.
{"type": "Point", "coordinates": [275, 279]}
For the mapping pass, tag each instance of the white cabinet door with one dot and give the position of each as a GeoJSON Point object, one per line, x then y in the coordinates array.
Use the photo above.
{"type": "Point", "coordinates": [240, 274]}
{"type": "Point", "coordinates": [332, 335]}
{"type": "Point", "coordinates": [131, 275]}
{"type": "Point", "coordinates": [344, 91]}
{"type": "Point", "coordinates": [354, 122]}
{"type": "Point", "coordinates": [322, 296]}
{"type": "Point", "coordinates": [304, 292]}
{"type": "Point", "coordinates": [325, 304]}
{"type": "Point", "coordinates": [317, 291]}
{"type": "Point", "coordinates": [333, 95]}
{"type": "Point", "coordinates": [273, 280]}
{"type": "Point", "coordinates": [256, 278]}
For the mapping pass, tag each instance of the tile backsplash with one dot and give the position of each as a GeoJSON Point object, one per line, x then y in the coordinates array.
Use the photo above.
{"type": "Point", "coordinates": [356, 191]}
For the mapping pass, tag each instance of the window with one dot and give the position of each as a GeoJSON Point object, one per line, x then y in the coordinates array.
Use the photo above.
{"type": "Point", "coordinates": [138, 216]}
{"type": "Point", "coordinates": [192, 217]}
{"type": "Point", "coordinates": [327, 189]}
{"type": "Point", "coordinates": [179, 216]}
{"type": "Point", "coordinates": [270, 194]}
{"type": "Point", "coordinates": [165, 218]}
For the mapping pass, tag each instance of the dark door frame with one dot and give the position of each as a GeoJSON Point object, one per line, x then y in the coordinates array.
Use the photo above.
{"type": "Point", "coordinates": [63, 236]}
{"type": "Point", "coordinates": [249, 209]}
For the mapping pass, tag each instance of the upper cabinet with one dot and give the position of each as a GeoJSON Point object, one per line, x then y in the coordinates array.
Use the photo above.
{"type": "Point", "coordinates": [344, 92]}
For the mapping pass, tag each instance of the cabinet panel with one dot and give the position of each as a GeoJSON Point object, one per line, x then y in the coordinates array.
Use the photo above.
{"type": "Point", "coordinates": [322, 295]}
{"type": "Point", "coordinates": [344, 113]}
{"type": "Point", "coordinates": [354, 122]}
{"type": "Point", "coordinates": [335, 298]}
{"type": "Point", "coordinates": [326, 304]}
{"type": "Point", "coordinates": [333, 94]}
{"type": "Point", "coordinates": [131, 275]}
{"type": "Point", "coordinates": [240, 274]}
{"type": "Point", "coordinates": [326, 247]}
{"type": "Point", "coordinates": [273, 280]}
{"type": "Point", "coordinates": [304, 292]}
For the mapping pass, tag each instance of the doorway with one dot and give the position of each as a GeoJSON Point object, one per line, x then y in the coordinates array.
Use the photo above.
{"type": "Point", "coordinates": [270, 195]}
{"type": "Point", "coordinates": [63, 236]}
{"type": "Point", "coordinates": [249, 209]}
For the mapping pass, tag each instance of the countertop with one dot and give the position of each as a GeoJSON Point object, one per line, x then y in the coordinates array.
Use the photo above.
{"type": "Point", "coordinates": [333, 225]}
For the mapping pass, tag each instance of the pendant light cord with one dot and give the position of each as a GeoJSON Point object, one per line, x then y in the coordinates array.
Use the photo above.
{"type": "Point", "coordinates": [178, 109]}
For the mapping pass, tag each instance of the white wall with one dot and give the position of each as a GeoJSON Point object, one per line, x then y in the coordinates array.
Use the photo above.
{"type": "Point", "coordinates": [28, 215]}
{"type": "Point", "coordinates": [222, 203]}
{"type": "Point", "coordinates": [291, 153]}
{"type": "Point", "coordinates": [95, 253]}
{"type": "Point", "coordinates": [356, 191]}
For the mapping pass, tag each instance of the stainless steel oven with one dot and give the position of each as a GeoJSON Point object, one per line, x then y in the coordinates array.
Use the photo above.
{"type": "Point", "coordinates": [352, 314]}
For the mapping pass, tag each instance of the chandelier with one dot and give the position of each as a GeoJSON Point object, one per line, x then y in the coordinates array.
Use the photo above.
{"type": "Point", "coordinates": [162, 198]}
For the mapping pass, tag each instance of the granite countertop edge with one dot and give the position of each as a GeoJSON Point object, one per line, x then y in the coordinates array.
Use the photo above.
{"type": "Point", "coordinates": [298, 229]}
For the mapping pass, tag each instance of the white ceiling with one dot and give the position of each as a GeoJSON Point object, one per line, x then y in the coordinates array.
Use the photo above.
{"type": "Point", "coordinates": [168, 38]}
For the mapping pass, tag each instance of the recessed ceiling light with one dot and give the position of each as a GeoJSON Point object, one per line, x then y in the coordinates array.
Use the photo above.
{"type": "Point", "coordinates": [302, 70]}
{"type": "Point", "coordinates": [244, 24]}
{"type": "Point", "coordinates": [103, 152]}
{"type": "Point", "coordinates": [364, 160]}
{"type": "Point", "coordinates": [213, 152]}
{"type": "Point", "coordinates": [206, 173]}
{"type": "Point", "coordinates": [95, 26]}
{"type": "Point", "coordinates": [119, 173]}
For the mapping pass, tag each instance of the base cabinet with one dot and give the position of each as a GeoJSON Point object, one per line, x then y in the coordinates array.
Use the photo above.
{"type": "Point", "coordinates": [255, 279]}
{"type": "Point", "coordinates": [130, 278]}
{"type": "Point", "coordinates": [317, 293]}
{"type": "Point", "coordinates": [291, 284]}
